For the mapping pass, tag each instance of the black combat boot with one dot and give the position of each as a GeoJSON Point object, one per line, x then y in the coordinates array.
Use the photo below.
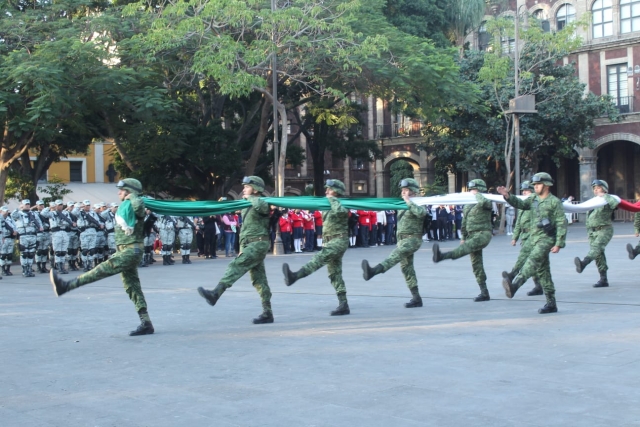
{"type": "Point", "coordinates": [44, 267]}
{"type": "Point", "coordinates": [289, 276]}
{"type": "Point", "coordinates": [511, 285]}
{"type": "Point", "coordinates": [5, 270]}
{"type": "Point", "coordinates": [343, 307]}
{"type": "Point", "coordinates": [165, 261]}
{"type": "Point", "coordinates": [437, 255]}
{"type": "Point", "coordinates": [603, 282]}
{"type": "Point", "coordinates": [72, 266]}
{"type": "Point", "coordinates": [483, 296]}
{"type": "Point", "coordinates": [266, 316]}
{"type": "Point", "coordinates": [39, 266]}
{"type": "Point", "coordinates": [416, 299]}
{"type": "Point", "coordinates": [537, 289]}
{"type": "Point", "coordinates": [170, 259]}
{"type": "Point", "coordinates": [80, 262]}
{"type": "Point", "coordinates": [87, 266]}
{"type": "Point", "coordinates": [550, 306]}
{"type": "Point", "coordinates": [145, 327]}
{"type": "Point", "coordinates": [186, 257]}
{"type": "Point", "coordinates": [368, 272]}
{"type": "Point", "coordinates": [213, 296]}
{"type": "Point", "coordinates": [60, 286]}
{"type": "Point", "coordinates": [61, 269]}
{"type": "Point", "coordinates": [580, 265]}
{"type": "Point", "coordinates": [8, 271]}
{"type": "Point", "coordinates": [632, 251]}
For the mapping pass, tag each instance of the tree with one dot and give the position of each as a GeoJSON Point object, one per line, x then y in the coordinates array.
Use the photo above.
{"type": "Point", "coordinates": [462, 17]}
{"type": "Point", "coordinates": [400, 169]}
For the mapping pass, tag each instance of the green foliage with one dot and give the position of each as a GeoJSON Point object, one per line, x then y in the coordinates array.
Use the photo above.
{"type": "Point", "coordinates": [19, 186]}
{"type": "Point", "coordinates": [400, 169]}
{"type": "Point", "coordinates": [434, 189]}
{"type": "Point", "coordinates": [55, 188]}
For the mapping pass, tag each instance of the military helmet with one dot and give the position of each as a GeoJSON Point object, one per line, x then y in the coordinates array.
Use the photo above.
{"type": "Point", "coordinates": [336, 185]}
{"type": "Point", "coordinates": [602, 183]}
{"type": "Point", "coordinates": [477, 184]}
{"type": "Point", "coordinates": [132, 185]}
{"type": "Point", "coordinates": [411, 184]}
{"type": "Point", "coordinates": [526, 185]}
{"type": "Point", "coordinates": [254, 182]}
{"type": "Point", "coordinates": [542, 178]}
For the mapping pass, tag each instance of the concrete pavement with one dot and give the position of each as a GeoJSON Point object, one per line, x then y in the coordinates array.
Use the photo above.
{"type": "Point", "coordinates": [69, 362]}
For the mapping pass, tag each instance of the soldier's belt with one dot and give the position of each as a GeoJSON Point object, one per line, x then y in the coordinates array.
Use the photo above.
{"type": "Point", "coordinates": [130, 246]}
{"type": "Point", "coordinates": [248, 240]}
{"type": "Point", "coordinates": [403, 236]}
{"type": "Point", "coordinates": [525, 230]}
{"type": "Point", "coordinates": [602, 227]}
{"type": "Point", "coordinates": [327, 239]}
{"type": "Point", "coordinates": [28, 234]}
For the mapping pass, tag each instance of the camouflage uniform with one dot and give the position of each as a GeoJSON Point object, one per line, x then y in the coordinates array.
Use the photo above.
{"type": "Point", "coordinates": [476, 234]}
{"type": "Point", "coordinates": [541, 241]}
{"type": "Point", "coordinates": [600, 232]}
{"type": "Point", "coordinates": [8, 242]}
{"type": "Point", "coordinates": [27, 225]}
{"type": "Point", "coordinates": [410, 224]}
{"type": "Point", "coordinates": [185, 227]}
{"type": "Point", "coordinates": [74, 241]}
{"type": "Point", "coordinates": [254, 245]}
{"type": "Point", "coordinates": [125, 261]}
{"type": "Point", "coordinates": [633, 252]}
{"type": "Point", "coordinates": [335, 235]}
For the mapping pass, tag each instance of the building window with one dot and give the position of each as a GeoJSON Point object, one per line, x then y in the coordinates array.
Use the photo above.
{"type": "Point", "coordinates": [617, 86]}
{"type": "Point", "coordinates": [484, 38]}
{"type": "Point", "coordinates": [629, 16]}
{"type": "Point", "coordinates": [565, 15]}
{"type": "Point", "coordinates": [507, 41]}
{"type": "Point", "coordinates": [75, 171]}
{"type": "Point", "coordinates": [602, 18]}
{"type": "Point", "coordinates": [358, 164]}
{"type": "Point", "coordinates": [359, 187]}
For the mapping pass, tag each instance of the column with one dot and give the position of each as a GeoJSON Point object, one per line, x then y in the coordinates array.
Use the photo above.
{"type": "Point", "coordinates": [379, 179]}
{"type": "Point", "coordinates": [588, 172]}
{"type": "Point", "coordinates": [98, 158]}
{"type": "Point", "coordinates": [347, 175]}
{"type": "Point", "coordinates": [451, 178]}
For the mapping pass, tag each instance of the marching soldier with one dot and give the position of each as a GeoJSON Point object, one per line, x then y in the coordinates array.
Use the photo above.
{"type": "Point", "coordinates": [633, 252]}
{"type": "Point", "coordinates": [101, 236]}
{"type": "Point", "coordinates": [9, 235]}
{"type": "Point", "coordinates": [185, 228]}
{"type": "Point", "coordinates": [27, 225]}
{"type": "Point", "coordinates": [149, 232]}
{"type": "Point", "coordinates": [476, 235]}
{"type": "Point", "coordinates": [109, 217]}
{"type": "Point", "coordinates": [61, 223]}
{"type": "Point", "coordinates": [74, 236]}
{"type": "Point", "coordinates": [129, 221]}
{"type": "Point", "coordinates": [409, 241]}
{"type": "Point", "coordinates": [88, 224]}
{"type": "Point", "coordinates": [548, 232]}
{"type": "Point", "coordinates": [600, 231]}
{"type": "Point", "coordinates": [254, 245]}
{"type": "Point", "coordinates": [167, 228]}
{"type": "Point", "coordinates": [335, 243]}
{"type": "Point", "coordinates": [43, 238]}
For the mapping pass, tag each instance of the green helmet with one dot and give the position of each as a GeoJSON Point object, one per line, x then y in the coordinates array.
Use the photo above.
{"type": "Point", "coordinates": [411, 184]}
{"type": "Point", "coordinates": [542, 178]}
{"type": "Point", "coordinates": [254, 182]}
{"type": "Point", "coordinates": [477, 184]}
{"type": "Point", "coordinates": [132, 185]}
{"type": "Point", "coordinates": [526, 185]}
{"type": "Point", "coordinates": [336, 185]}
{"type": "Point", "coordinates": [602, 183]}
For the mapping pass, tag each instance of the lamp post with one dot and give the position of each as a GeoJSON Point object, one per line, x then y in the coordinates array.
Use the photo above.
{"type": "Point", "coordinates": [278, 247]}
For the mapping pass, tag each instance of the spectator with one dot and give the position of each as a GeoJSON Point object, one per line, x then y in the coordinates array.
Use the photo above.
{"type": "Point", "coordinates": [353, 227]}
{"type": "Point", "coordinates": [296, 219]}
{"type": "Point", "coordinates": [285, 231]}
{"type": "Point", "coordinates": [211, 232]}
{"type": "Point", "coordinates": [309, 225]}
{"type": "Point", "coordinates": [363, 230]}
{"type": "Point", "coordinates": [317, 215]}
{"type": "Point", "coordinates": [373, 228]}
{"type": "Point", "coordinates": [391, 226]}
{"type": "Point", "coordinates": [230, 225]}
{"type": "Point", "coordinates": [382, 225]}
{"type": "Point", "coordinates": [459, 209]}
{"type": "Point", "coordinates": [442, 213]}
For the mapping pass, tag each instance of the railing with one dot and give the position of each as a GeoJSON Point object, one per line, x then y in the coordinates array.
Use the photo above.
{"type": "Point", "coordinates": [399, 130]}
{"type": "Point", "coordinates": [624, 104]}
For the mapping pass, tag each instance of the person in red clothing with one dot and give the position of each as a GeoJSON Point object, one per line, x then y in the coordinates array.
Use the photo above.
{"type": "Point", "coordinates": [317, 215]}
{"type": "Point", "coordinates": [309, 230]}
{"type": "Point", "coordinates": [285, 231]}
{"type": "Point", "coordinates": [363, 233]}
{"type": "Point", "coordinates": [373, 228]}
{"type": "Point", "coordinates": [296, 218]}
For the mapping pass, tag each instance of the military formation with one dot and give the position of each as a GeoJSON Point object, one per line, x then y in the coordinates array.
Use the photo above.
{"type": "Point", "coordinates": [127, 232]}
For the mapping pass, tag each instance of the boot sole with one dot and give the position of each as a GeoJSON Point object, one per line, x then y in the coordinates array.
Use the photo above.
{"type": "Point", "coordinates": [145, 332]}
{"type": "Point", "coordinates": [262, 321]}
{"type": "Point", "coordinates": [506, 284]}
{"type": "Point", "coordinates": [341, 313]}
{"type": "Point", "coordinates": [578, 264]}
{"type": "Point", "coordinates": [436, 250]}
{"type": "Point", "coordinates": [53, 283]}
{"type": "Point", "coordinates": [632, 254]}
{"type": "Point", "coordinates": [365, 270]}
{"type": "Point", "coordinates": [409, 305]}
{"type": "Point", "coordinates": [286, 271]}
{"type": "Point", "coordinates": [533, 293]}
{"type": "Point", "coordinates": [203, 293]}
{"type": "Point", "coordinates": [543, 311]}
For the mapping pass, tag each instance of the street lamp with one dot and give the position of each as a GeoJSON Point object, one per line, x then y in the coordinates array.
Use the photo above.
{"type": "Point", "coordinates": [278, 247]}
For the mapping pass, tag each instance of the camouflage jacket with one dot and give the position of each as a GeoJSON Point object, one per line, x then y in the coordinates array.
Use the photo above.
{"type": "Point", "coordinates": [335, 221]}
{"type": "Point", "coordinates": [600, 217]}
{"type": "Point", "coordinates": [137, 204]}
{"type": "Point", "coordinates": [523, 226]}
{"type": "Point", "coordinates": [410, 221]}
{"type": "Point", "coordinates": [255, 219]}
{"type": "Point", "coordinates": [476, 217]}
{"type": "Point", "coordinates": [549, 208]}
{"type": "Point", "coordinates": [636, 223]}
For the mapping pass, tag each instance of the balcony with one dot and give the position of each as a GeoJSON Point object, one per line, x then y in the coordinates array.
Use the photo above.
{"type": "Point", "coordinates": [624, 104]}
{"type": "Point", "coordinates": [399, 130]}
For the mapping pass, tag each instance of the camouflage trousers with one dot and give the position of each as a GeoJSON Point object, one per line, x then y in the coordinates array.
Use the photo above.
{"type": "Point", "coordinates": [27, 246]}
{"type": "Point", "coordinates": [403, 254]}
{"type": "Point", "coordinates": [6, 251]}
{"type": "Point", "coordinates": [88, 245]}
{"type": "Point", "coordinates": [251, 259]}
{"type": "Point", "coordinates": [43, 240]}
{"type": "Point", "coordinates": [186, 237]}
{"type": "Point", "coordinates": [473, 245]}
{"type": "Point", "coordinates": [598, 241]}
{"type": "Point", "coordinates": [74, 244]}
{"type": "Point", "coordinates": [125, 261]}
{"type": "Point", "coordinates": [537, 265]}
{"type": "Point", "coordinates": [60, 243]}
{"type": "Point", "coordinates": [111, 242]}
{"type": "Point", "coordinates": [331, 256]}
{"type": "Point", "coordinates": [167, 237]}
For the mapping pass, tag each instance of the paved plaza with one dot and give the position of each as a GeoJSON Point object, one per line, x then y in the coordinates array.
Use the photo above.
{"type": "Point", "coordinates": [69, 361]}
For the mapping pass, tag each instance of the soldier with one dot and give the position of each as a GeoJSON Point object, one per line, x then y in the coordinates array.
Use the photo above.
{"type": "Point", "coordinates": [89, 225]}
{"type": "Point", "coordinates": [254, 245]}
{"type": "Point", "coordinates": [547, 234]}
{"type": "Point", "coordinates": [27, 225]}
{"type": "Point", "coordinates": [600, 231]}
{"type": "Point", "coordinates": [633, 252]}
{"type": "Point", "coordinates": [109, 217]}
{"type": "Point", "coordinates": [335, 243]}
{"type": "Point", "coordinates": [9, 235]}
{"type": "Point", "coordinates": [129, 222]}
{"type": "Point", "coordinates": [409, 241]}
{"type": "Point", "coordinates": [185, 228]}
{"type": "Point", "coordinates": [149, 231]}
{"type": "Point", "coordinates": [74, 236]}
{"type": "Point", "coordinates": [522, 231]}
{"type": "Point", "coordinates": [61, 222]}
{"type": "Point", "coordinates": [167, 228]}
{"type": "Point", "coordinates": [101, 236]}
{"type": "Point", "coordinates": [43, 238]}
{"type": "Point", "coordinates": [476, 235]}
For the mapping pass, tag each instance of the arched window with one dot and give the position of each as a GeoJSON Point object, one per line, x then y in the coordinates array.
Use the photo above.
{"type": "Point", "coordinates": [507, 41]}
{"type": "Point", "coordinates": [566, 14]}
{"type": "Point", "coordinates": [539, 14]}
{"type": "Point", "coordinates": [629, 16]}
{"type": "Point", "coordinates": [602, 18]}
{"type": "Point", "coordinates": [484, 38]}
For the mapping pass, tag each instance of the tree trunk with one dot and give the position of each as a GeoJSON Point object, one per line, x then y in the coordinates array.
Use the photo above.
{"type": "Point", "coordinates": [318, 172]}
{"type": "Point", "coordinates": [4, 174]}
{"type": "Point", "coordinates": [259, 142]}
